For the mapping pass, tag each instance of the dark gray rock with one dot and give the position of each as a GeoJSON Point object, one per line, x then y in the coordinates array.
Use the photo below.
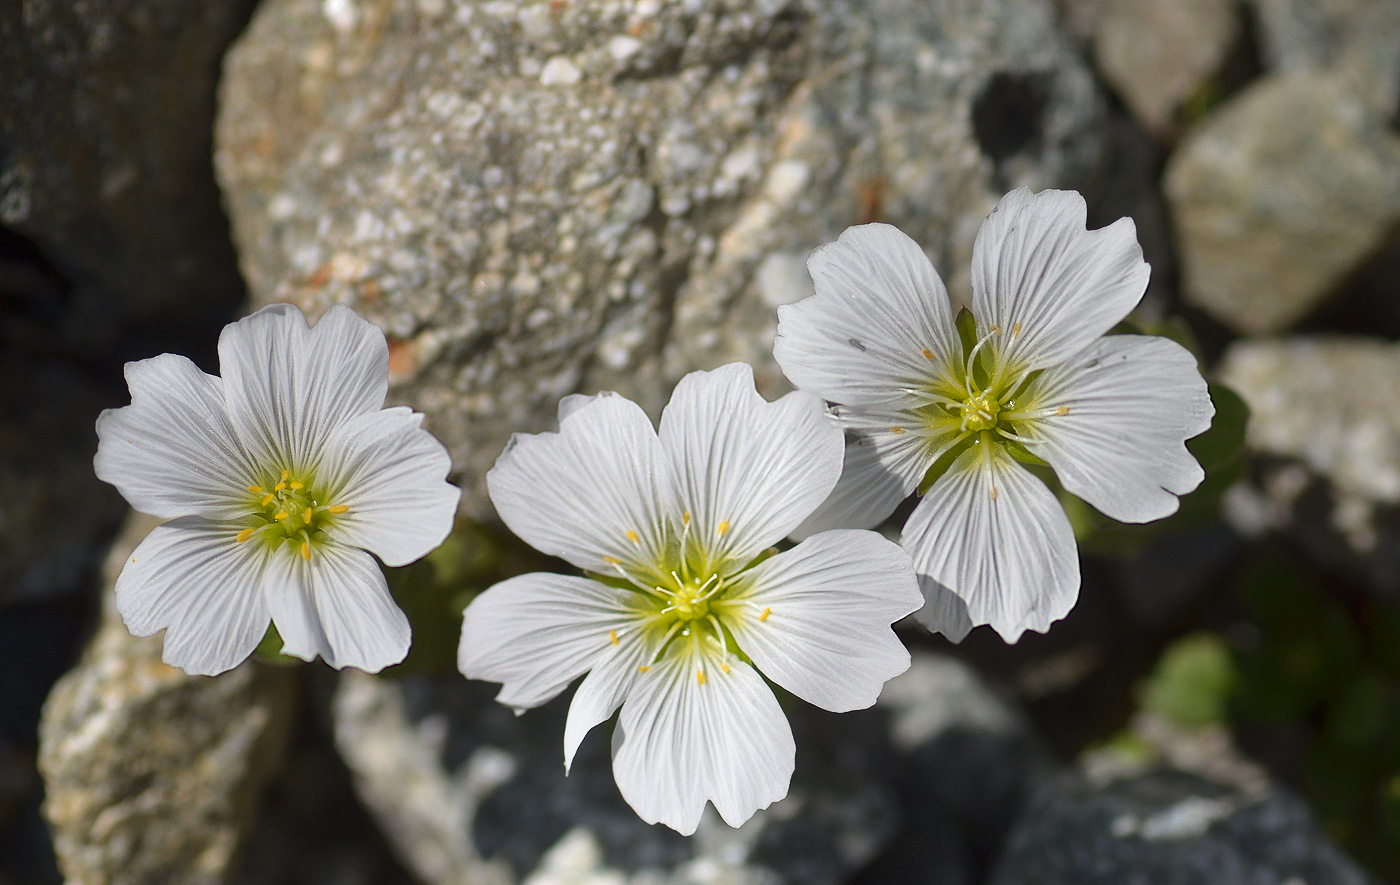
{"type": "Point", "coordinates": [537, 198]}
{"type": "Point", "coordinates": [105, 145]}
{"type": "Point", "coordinates": [468, 792]}
{"type": "Point", "coordinates": [1168, 828]}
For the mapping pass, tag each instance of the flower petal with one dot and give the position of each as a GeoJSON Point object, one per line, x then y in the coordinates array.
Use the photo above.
{"type": "Point", "coordinates": [884, 463]}
{"type": "Point", "coordinates": [749, 470]}
{"type": "Point", "coordinates": [679, 742]}
{"type": "Point", "coordinates": [607, 685]}
{"type": "Point", "coordinates": [816, 619]}
{"type": "Point", "coordinates": [536, 633]}
{"type": "Point", "coordinates": [336, 605]}
{"type": "Point", "coordinates": [173, 451]}
{"type": "Point", "coordinates": [598, 492]}
{"type": "Point", "coordinates": [1130, 403]}
{"type": "Point", "coordinates": [392, 474]}
{"type": "Point", "coordinates": [996, 536]}
{"type": "Point", "coordinates": [1046, 282]}
{"type": "Point", "coordinates": [193, 579]}
{"type": "Point", "coordinates": [880, 320]}
{"type": "Point", "coordinates": [288, 386]}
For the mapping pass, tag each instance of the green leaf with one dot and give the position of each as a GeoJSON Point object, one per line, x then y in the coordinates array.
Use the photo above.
{"type": "Point", "coordinates": [1193, 681]}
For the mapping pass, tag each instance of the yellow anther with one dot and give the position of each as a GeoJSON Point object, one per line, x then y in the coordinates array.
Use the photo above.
{"type": "Point", "coordinates": [245, 535]}
{"type": "Point", "coordinates": [338, 508]}
{"type": "Point", "coordinates": [700, 676]}
{"type": "Point", "coordinates": [256, 489]}
{"type": "Point", "coordinates": [281, 514]}
{"type": "Point", "coordinates": [766, 612]}
{"type": "Point", "coordinates": [267, 499]}
{"type": "Point", "coordinates": [612, 560]}
{"type": "Point", "coordinates": [643, 668]}
{"type": "Point", "coordinates": [296, 485]}
{"type": "Point", "coordinates": [306, 550]}
{"type": "Point", "coordinates": [928, 354]}
{"type": "Point", "coordinates": [1016, 331]}
{"type": "Point", "coordinates": [723, 528]}
{"type": "Point", "coordinates": [307, 514]}
{"type": "Point", "coordinates": [285, 474]}
{"type": "Point", "coordinates": [724, 667]}
{"type": "Point", "coordinates": [685, 517]}
{"type": "Point", "coordinates": [996, 330]}
{"type": "Point", "coordinates": [633, 537]}
{"type": "Point", "coordinates": [896, 430]}
{"type": "Point", "coordinates": [612, 637]}
{"type": "Point", "coordinates": [279, 487]}
{"type": "Point", "coordinates": [993, 492]}
{"type": "Point", "coordinates": [1062, 410]}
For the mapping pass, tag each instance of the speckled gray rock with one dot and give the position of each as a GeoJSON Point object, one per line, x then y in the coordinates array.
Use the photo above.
{"type": "Point", "coordinates": [1168, 829]}
{"type": "Point", "coordinates": [471, 793]}
{"type": "Point", "coordinates": [1325, 414]}
{"type": "Point", "coordinates": [1331, 404]}
{"type": "Point", "coordinates": [536, 198]}
{"type": "Point", "coordinates": [105, 139]}
{"type": "Point", "coordinates": [1357, 39]}
{"type": "Point", "coordinates": [1155, 53]}
{"type": "Point", "coordinates": [1278, 196]}
{"type": "Point", "coordinates": [151, 776]}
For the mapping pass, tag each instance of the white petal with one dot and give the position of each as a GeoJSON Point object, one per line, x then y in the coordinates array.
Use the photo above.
{"type": "Point", "coordinates": [943, 611]}
{"type": "Point", "coordinates": [882, 467]}
{"type": "Point", "coordinates": [536, 633]}
{"type": "Point", "coordinates": [749, 470]}
{"type": "Point", "coordinates": [679, 743]}
{"type": "Point", "coordinates": [392, 474]}
{"type": "Point", "coordinates": [192, 578]}
{"type": "Point", "coordinates": [583, 493]}
{"type": "Point", "coordinates": [607, 685]}
{"type": "Point", "coordinates": [288, 386]}
{"type": "Point", "coordinates": [879, 304]}
{"type": "Point", "coordinates": [816, 619]}
{"type": "Point", "coordinates": [1132, 402]}
{"type": "Point", "coordinates": [336, 605]}
{"type": "Point", "coordinates": [173, 451]}
{"type": "Point", "coordinates": [1046, 282]}
{"type": "Point", "coordinates": [1010, 554]}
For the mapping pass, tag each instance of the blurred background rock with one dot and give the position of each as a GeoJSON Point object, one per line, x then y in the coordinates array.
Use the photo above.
{"type": "Point", "coordinates": [539, 198]}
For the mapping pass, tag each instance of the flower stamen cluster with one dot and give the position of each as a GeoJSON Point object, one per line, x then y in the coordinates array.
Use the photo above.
{"type": "Point", "coordinates": [290, 509]}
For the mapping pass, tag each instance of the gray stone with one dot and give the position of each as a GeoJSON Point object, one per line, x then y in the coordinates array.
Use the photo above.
{"type": "Point", "coordinates": [470, 793]}
{"type": "Point", "coordinates": [1358, 39]}
{"type": "Point", "coordinates": [1279, 196]}
{"type": "Point", "coordinates": [151, 776]}
{"type": "Point", "coordinates": [1331, 404]}
{"type": "Point", "coordinates": [537, 198]}
{"type": "Point", "coordinates": [1168, 828]}
{"type": "Point", "coordinates": [1156, 53]}
{"type": "Point", "coordinates": [105, 139]}
{"type": "Point", "coordinates": [1325, 427]}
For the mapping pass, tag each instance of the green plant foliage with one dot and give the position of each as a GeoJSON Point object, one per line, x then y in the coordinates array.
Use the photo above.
{"type": "Point", "coordinates": [435, 590]}
{"type": "Point", "coordinates": [1193, 681]}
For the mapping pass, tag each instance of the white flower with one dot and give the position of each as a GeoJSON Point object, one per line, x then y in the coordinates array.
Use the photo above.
{"type": "Point", "coordinates": [684, 603]}
{"type": "Point", "coordinates": [1037, 380]}
{"type": "Point", "coordinates": [278, 477]}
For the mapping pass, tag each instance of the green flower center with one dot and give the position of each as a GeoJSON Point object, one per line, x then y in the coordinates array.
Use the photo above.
{"type": "Point", "coordinates": [290, 508]}
{"type": "Point", "coordinates": [980, 411]}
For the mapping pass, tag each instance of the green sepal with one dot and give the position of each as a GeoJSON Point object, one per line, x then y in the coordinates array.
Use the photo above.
{"type": "Point", "coordinates": [966, 325]}
{"type": "Point", "coordinates": [940, 467]}
{"type": "Point", "coordinates": [1019, 451]}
